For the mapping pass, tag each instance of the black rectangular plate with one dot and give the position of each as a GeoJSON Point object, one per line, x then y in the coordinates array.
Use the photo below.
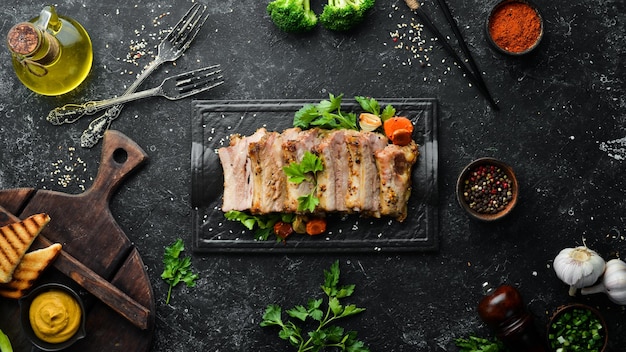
{"type": "Point", "coordinates": [214, 121]}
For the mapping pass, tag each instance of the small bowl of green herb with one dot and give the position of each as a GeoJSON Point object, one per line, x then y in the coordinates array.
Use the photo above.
{"type": "Point", "coordinates": [577, 327]}
{"type": "Point", "coordinates": [487, 189]}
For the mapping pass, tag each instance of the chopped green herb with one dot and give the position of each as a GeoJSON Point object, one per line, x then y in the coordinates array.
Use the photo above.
{"type": "Point", "coordinates": [177, 269]}
{"type": "Point", "coordinates": [576, 330]}
{"type": "Point", "coordinates": [324, 334]}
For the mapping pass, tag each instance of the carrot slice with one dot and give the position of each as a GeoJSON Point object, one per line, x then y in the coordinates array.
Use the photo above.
{"type": "Point", "coordinates": [401, 137]}
{"type": "Point", "coordinates": [398, 123]}
{"type": "Point", "coordinates": [316, 227]}
{"type": "Point", "coordinates": [283, 229]}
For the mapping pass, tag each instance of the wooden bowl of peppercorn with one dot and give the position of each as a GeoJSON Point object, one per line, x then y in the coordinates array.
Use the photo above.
{"type": "Point", "coordinates": [514, 27]}
{"type": "Point", "coordinates": [487, 189]}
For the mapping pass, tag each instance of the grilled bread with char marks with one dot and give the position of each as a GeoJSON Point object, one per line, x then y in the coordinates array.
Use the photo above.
{"type": "Point", "coordinates": [15, 239]}
{"type": "Point", "coordinates": [29, 270]}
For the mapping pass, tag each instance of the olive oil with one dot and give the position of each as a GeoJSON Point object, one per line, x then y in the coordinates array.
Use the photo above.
{"type": "Point", "coordinates": [51, 54]}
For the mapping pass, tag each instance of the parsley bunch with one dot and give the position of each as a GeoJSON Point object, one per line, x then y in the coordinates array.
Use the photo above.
{"type": "Point", "coordinates": [325, 335]}
{"type": "Point", "coordinates": [326, 114]}
{"type": "Point", "coordinates": [177, 269]}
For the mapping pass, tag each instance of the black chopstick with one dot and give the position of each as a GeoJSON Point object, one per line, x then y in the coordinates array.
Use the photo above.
{"type": "Point", "coordinates": [457, 33]}
{"type": "Point", "coordinates": [415, 6]}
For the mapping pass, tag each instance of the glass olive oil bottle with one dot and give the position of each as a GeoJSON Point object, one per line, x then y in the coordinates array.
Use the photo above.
{"type": "Point", "coordinates": [51, 54]}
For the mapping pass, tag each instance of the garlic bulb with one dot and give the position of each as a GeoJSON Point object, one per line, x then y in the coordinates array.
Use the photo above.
{"type": "Point", "coordinates": [613, 283]}
{"type": "Point", "coordinates": [578, 267]}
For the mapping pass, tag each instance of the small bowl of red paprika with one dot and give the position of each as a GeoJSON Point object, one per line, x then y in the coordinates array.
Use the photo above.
{"type": "Point", "coordinates": [514, 27]}
{"type": "Point", "coordinates": [487, 189]}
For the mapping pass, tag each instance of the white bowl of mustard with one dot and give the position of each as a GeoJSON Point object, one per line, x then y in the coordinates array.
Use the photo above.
{"type": "Point", "coordinates": [53, 317]}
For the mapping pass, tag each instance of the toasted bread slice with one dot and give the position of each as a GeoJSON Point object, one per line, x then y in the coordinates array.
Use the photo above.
{"type": "Point", "coordinates": [15, 239]}
{"type": "Point", "coordinates": [29, 270]}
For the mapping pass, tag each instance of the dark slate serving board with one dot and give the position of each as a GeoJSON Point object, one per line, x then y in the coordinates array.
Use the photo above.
{"type": "Point", "coordinates": [214, 121]}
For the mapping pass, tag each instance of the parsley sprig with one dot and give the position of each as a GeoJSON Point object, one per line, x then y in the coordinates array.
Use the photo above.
{"type": "Point", "coordinates": [326, 334]}
{"type": "Point", "coordinates": [372, 105]}
{"type": "Point", "coordinates": [479, 344]}
{"type": "Point", "coordinates": [177, 269]}
{"type": "Point", "coordinates": [306, 170]}
{"type": "Point", "coordinates": [326, 114]}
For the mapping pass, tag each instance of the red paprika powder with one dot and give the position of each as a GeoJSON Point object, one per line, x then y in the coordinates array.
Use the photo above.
{"type": "Point", "coordinates": [514, 26]}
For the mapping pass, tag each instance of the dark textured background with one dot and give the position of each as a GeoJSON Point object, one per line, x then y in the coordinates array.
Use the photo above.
{"type": "Point", "coordinates": [561, 127]}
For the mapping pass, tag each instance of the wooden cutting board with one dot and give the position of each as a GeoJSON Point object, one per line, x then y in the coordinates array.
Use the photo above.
{"type": "Point", "coordinates": [94, 243]}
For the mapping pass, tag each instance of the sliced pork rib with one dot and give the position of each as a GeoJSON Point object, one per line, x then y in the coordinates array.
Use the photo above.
{"type": "Point", "coordinates": [362, 172]}
{"type": "Point", "coordinates": [268, 178]}
{"type": "Point", "coordinates": [294, 143]}
{"type": "Point", "coordinates": [236, 165]}
{"type": "Point", "coordinates": [362, 191]}
{"type": "Point", "coordinates": [394, 165]}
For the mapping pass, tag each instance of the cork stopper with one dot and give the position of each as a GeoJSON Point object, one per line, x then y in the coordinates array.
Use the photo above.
{"type": "Point", "coordinates": [23, 38]}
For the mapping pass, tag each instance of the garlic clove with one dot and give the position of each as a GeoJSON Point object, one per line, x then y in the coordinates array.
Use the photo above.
{"type": "Point", "coordinates": [369, 122]}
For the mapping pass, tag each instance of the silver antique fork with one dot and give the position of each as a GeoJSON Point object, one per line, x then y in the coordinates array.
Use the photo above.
{"type": "Point", "coordinates": [170, 49]}
{"type": "Point", "coordinates": [173, 88]}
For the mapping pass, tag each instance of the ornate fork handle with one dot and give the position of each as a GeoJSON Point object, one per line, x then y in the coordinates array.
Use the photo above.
{"type": "Point", "coordinates": [75, 111]}
{"type": "Point", "coordinates": [97, 127]}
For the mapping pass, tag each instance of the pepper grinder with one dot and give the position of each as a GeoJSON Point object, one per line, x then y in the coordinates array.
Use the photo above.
{"type": "Point", "coordinates": [503, 310]}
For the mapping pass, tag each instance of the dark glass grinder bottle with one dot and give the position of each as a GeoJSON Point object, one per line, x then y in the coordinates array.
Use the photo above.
{"type": "Point", "coordinates": [503, 310]}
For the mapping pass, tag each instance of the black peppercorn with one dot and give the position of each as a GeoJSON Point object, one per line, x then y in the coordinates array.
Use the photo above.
{"type": "Point", "coordinates": [487, 189]}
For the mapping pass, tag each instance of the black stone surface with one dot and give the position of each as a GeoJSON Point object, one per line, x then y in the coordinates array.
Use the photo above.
{"type": "Point", "coordinates": [560, 125]}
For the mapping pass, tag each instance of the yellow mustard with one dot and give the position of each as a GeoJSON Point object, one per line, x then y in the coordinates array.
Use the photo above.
{"type": "Point", "coordinates": [55, 316]}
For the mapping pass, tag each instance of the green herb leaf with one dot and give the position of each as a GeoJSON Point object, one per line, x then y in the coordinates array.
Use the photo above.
{"type": "Point", "coordinates": [479, 344]}
{"type": "Point", "coordinates": [368, 104]}
{"type": "Point", "coordinates": [311, 162]}
{"type": "Point", "coordinates": [5, 344]}
{"type": "Point", "coordinates": [388, 113]}
{"type": "Point", "coordinates": [177, 269]}
{"type": "Point", "coordinates": [308, 202]}
{"type": "Point", "coordinates": [298, 312]}
{"type": "Point", "coordinates": [295, 173]}
{"type": "Point", "coordinates": [272, 316]}
{"type": "Point", "coordinates": [305, 116]}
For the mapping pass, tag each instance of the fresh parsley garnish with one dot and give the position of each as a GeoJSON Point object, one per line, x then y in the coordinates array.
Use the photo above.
{"type": "Point", "coordinates": [372, 106]}
{"type": "Point", "coordinates": [326, 114]}
{"type": "Point", "coordinates": [261, 224]}
{"type": "Point", "coordinates": [479, 344]}
{"type": "Point", "coordinates": [325, 333]}
{"type": "Point", "coordinates": [306, 170]}
{"type": "Point", "coordinates": [177, 269]}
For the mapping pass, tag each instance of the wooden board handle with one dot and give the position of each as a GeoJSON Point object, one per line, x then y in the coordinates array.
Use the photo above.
{"type": "Point", "coordinates": [120, 156]}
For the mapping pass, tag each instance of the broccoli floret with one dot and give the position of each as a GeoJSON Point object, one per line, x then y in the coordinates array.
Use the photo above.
{"type": "Point", "coordinates": [342, 15]}
{"type": "Point", "coordinates": [294, 16]}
